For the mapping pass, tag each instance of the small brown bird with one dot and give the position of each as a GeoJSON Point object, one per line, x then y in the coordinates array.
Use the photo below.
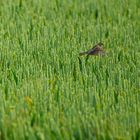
{"type": "Point", "coordinates": [96, 50]}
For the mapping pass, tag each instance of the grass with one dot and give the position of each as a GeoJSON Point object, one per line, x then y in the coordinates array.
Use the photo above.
{"type": "Point", "coordinates": [46, 92]}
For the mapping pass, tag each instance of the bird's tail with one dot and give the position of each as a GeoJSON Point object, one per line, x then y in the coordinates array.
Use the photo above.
{"type": "Point", "coordinates": [82, 53]}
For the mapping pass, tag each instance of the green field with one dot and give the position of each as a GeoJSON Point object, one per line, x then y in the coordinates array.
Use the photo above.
{"type": "Point", "coordinates": [46, 92]}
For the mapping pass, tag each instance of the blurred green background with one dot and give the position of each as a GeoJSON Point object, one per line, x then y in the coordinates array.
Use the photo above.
{"type": "Point", "coordinates": [46, 92]}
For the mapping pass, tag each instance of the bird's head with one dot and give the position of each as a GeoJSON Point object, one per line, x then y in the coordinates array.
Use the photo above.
{"type": "Point", "coordinates": [100, 44]}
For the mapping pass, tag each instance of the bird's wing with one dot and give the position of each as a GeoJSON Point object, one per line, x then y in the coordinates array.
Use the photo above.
{"type": "Point", "coordinates": [95, 49]}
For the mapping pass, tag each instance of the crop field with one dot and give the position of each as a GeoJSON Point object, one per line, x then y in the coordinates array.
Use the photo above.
{"type": "Point", "coordinates": [48, 91]}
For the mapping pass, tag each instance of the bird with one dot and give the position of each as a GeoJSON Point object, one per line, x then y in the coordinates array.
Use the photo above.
{"type": "Point", "coordinates": [96, 50]}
